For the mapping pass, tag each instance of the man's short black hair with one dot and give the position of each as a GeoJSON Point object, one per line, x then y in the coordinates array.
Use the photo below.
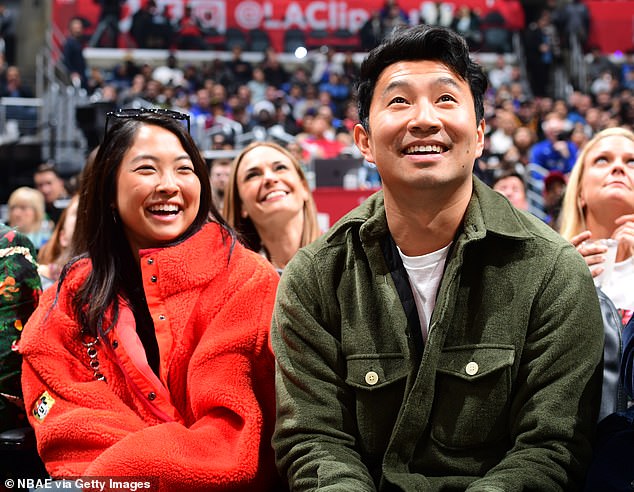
{"type": "Point", "coordinates": [415, 43]}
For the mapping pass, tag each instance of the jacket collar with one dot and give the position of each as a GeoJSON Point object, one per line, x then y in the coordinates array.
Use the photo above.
{"type": "Point", "coordinates": [198, 259]}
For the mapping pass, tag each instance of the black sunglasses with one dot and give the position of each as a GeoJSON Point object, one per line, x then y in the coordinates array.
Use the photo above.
{"type": "Point", "coordinates": [139, 113]}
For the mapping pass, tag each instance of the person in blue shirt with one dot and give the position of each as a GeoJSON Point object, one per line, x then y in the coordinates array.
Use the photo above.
{"type": "Point", "coordinates": [556, 152]}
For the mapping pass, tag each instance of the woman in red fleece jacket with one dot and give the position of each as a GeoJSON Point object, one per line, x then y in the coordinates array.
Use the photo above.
{"type": "Point", "coordinates": [151, 358]}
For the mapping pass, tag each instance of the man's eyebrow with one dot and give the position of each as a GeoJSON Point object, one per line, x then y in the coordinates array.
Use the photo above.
{"type": "Point", "coordinates": [439, 82]}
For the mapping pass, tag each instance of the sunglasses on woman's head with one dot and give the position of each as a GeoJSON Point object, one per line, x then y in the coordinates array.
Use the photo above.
{"type": "Point", "coordinates": [139, 113]}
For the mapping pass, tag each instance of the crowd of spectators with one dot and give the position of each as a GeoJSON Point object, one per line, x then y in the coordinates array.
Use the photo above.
{"type": "Point", "coordinates": [312, 105]}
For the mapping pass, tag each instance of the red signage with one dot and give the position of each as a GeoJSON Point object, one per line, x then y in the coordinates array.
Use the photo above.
{"type": "Point", "coordinates": [612, 20]}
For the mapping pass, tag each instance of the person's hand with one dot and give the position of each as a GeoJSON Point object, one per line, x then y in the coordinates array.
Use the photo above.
{"type": "Point", "coordinates": [561, 146]}
{"type": "Point", "coordinates": [591, 252]}
{"type": "Point", "coordinates": [624, 233]}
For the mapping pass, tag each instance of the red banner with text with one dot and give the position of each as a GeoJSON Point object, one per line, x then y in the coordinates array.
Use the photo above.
{"type": "Point", "coordinates": [612, 20]}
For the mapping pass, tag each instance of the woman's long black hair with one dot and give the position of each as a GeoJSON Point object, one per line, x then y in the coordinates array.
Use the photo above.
{"type": "Point", "coordinates": [99, 235]}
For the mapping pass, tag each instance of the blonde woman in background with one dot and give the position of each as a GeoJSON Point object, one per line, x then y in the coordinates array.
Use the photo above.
{"type": "Point", "coordinates": [27, 215]}
{"type": "Point", "coordinates": [57, 251]}
{"type": "Point", "coordinates": [269, 203]}
{"type": "Point", "coordinates": [599, 204]}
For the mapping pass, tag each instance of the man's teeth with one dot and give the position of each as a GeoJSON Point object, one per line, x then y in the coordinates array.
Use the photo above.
{"type": "Point", "coordinates": [274, 194]}
{"type": "Point", "coordinates": [437, 149]}
{"type": "Point", "coordinates": [164, 208]}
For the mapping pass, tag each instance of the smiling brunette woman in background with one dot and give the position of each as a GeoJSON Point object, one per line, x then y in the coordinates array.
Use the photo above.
{"type": "Point", "coordinates": [268, 201]}
{"type": "Point", "coordinates": [151, 359]}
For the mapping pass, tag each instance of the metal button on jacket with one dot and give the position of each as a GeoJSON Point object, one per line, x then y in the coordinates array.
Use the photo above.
{"type": "Point", "coordinates": [371, 378]}
{"type": "Point", "coordinates": [150, 261]}
{"type": "Point", "coordinates": [153, 278]}
{"type": "Point", "coordinates": [151, 396]}
{"type": "Point", "coordinates": [472, 368]}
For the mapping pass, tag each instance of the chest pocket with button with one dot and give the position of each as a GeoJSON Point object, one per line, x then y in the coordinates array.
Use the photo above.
{"type": "Point", "coordinates": [471, 403]}
{"type": "Point", "coordinates": [378, 382]}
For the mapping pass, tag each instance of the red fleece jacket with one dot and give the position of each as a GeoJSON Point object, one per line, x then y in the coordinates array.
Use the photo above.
{"type": "Point", "coordinates": [206, 423]}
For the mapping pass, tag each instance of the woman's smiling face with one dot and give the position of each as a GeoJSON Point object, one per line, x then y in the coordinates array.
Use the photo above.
{"type": "Point", "coordinates": [269, 184]}
{"type": "Point", "coordinates": [158, 192]}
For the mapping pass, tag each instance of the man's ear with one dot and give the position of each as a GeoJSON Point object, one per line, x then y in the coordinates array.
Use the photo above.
{"type": "Point", "coordinates": [480, 138]}
{"type": "Point", "coordinates": [362, 139]}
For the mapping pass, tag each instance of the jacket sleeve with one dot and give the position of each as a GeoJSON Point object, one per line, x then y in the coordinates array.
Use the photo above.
{"type": "Point", "coordinates": [314, 438]}
{"type": "Point", "coordinates": [222, 442]}
{"type": "Point", "coordinates": [556, 403]}
{"type": "Point", "coordinates": [75, 417]}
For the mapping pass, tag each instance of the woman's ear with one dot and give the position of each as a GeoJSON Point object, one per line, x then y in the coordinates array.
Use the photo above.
{"type": "Point", "coordinates": [244, 214]}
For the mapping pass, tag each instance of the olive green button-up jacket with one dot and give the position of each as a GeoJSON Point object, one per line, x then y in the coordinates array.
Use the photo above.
{"type": "Point", "coordinates": [505, 393]}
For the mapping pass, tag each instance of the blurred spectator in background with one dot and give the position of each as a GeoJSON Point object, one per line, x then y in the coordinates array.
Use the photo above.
{"type": "Point", "coordinates": [627, 70]}
{"type": "Point", "coordinates": [555, 152]}
{"type": "Point", "coordinates": [501, 73]}
{"type": "Point", "coordinates": [339, 90]}
{"type": "Point", "coordinates": [512, 186]}
{"type": "Point", "coordinates": [57, 251]}
{"type": "Point", "coordinates": [257, 85]}
{"type": "Point", "coordinates": [372, 31]}
{"type": "Point", "coordinates": [26, 215]}
{"type": "Point", "coordinates": [319, 138]}
{"type": "Point", "coordinates": [599, 63]}
{"type": "Point", "coordinates": [169, 73]}
{"type": "Point", "coordinates": [437, 13]}
{"type": "Point", "coordinates": [572, 19]}
{"type": "Point", "coordinates": [554, 189]}
{"type": "Point", "coordinates": [467, 23]}
{"type": "Point", "coordinates": [606, 83]}
{"type": "Point", "coordinates": [106, 33]}
{"type": "Point", "coordinates": [219, 177]}
{"type": "Point", "coordinates": [240, 69]}
{"type": "Point", "coordinates": [134, 91]}
{"type": "Point", "coordinates": [189, 31]}
{"type": "Point", "coordinates": [13, 86]}
{"type": "Point", "coordinates": [350, 68]}
{"type": "Point", "coordinates": [542, 48]}
{"type": "Point", "coordinates": [392, 12]}
{"type": "Point", "coordinates": [393, 17]}
{"type": "Point", "coordinates": [501, 139]}
{"type": "Point", "coordinates": [49, 182]}
{"type": "Point", "coordinates": [307, 103]}
{"type": "Point", "coordinates": [147, 26]}
{"type": "Point", "coordinates": [274, 72]}
{"type": "Point", "coordinates": [324, 63]}
{"type": "Point", "coordinates": [73, 53]}
{"type": "Point", "coordinates": [7, 33]}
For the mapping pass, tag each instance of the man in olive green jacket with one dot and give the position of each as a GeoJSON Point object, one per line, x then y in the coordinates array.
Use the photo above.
{"type": "Point", "coordinates": [435, 338]}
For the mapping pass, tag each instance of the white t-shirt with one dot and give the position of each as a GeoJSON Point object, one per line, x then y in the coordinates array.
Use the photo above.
{"type": "Point", "coordinates": [425, 273]}
{"type": "Point", "coordinates": [620, 285]}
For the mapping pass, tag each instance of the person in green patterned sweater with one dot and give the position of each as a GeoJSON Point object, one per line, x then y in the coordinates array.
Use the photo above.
{"type": "Point", "coordinates": [19, 294]}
